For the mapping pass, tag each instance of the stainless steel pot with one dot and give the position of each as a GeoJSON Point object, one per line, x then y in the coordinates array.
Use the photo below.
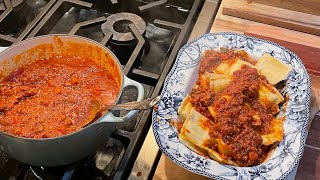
{"type": "Point", "coordinates": [72, 147]}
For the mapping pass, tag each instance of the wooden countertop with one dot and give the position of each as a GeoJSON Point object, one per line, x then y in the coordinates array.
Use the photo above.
{"type": "Point", "coordinates": [310, 162]}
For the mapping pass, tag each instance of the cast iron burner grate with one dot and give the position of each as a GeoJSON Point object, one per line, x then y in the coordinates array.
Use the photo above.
{"type": "Point", "coordinates": [154, 31]}
{"type": "Point", "coordinates": [14, 4]}
{"type": "Point", "coordinates": [123, 41]}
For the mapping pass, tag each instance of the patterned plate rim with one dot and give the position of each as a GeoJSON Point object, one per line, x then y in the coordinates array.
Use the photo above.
{"type": "Point", "coordinates": [306, 119]}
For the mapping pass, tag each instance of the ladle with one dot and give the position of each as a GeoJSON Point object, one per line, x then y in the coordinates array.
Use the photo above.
{"type": "Point", "coordinates": [135, 105]}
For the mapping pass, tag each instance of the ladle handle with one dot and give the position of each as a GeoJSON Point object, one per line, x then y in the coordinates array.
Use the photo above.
{"type": "Point", "coordinates": [109, 117]}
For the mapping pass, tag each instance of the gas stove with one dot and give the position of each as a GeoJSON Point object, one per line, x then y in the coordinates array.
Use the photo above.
{"type": "Point", "coordinates": [145, 35]}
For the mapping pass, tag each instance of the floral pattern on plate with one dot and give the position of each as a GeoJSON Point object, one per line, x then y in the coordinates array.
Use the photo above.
{"type": "Point", "coordinates": [181, 79]}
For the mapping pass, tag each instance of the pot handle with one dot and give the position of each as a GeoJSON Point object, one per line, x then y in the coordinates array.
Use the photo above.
{"type": "Point", "coordinates": [2, 49]}
{"type": "Point", "coordinates": [109, 117]}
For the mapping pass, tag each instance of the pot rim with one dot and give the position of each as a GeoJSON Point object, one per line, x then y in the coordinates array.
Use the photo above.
{"type": "Point", "coordinates": [114, 57]}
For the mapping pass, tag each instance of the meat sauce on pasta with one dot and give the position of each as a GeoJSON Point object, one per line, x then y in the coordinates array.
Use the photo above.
{"type": "Point", "coordinates": [238, 109]}
{"type": "Point", "coordinates": [235, 123]}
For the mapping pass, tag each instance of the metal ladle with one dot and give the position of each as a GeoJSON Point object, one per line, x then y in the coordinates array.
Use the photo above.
{"type": "Point", "coordinates": [135, 105]}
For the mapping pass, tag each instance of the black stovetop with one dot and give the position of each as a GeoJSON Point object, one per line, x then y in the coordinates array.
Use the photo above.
{"type": "Point", "coordinates": [145, 35]}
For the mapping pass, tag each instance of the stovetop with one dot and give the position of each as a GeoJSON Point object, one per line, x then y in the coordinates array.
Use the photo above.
{"type": "Point", "coordinates": [145, 35]}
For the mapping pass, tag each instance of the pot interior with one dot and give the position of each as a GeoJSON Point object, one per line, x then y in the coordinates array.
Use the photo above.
{"type": "Point", "coordinates": [58, 45]}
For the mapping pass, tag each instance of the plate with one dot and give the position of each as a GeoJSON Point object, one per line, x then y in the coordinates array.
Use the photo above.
{"type": "Point", "coordinates": [183, 76]}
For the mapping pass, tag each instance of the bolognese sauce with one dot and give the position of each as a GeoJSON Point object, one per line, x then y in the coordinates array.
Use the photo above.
{"type": "Point", "coordinates": [235, 123]}
{"type": "Point", "coordinates": [212, 59]}
{"type": "Point", "coordinates": [46, 98]}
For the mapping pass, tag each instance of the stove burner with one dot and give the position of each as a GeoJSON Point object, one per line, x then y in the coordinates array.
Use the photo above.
{"type": "Point", "coordinates": [97, 165]}
{"type": "Point", "coordinates": [14, 17]}
{"type": "Point", "coordinates": [123, 42]}
{"type": "Point", "coordinates": [16, 4]}
{"type": "Point", "coordinates": [118, 24]}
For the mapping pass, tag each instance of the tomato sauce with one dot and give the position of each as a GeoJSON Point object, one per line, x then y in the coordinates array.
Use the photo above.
{"type": "Point", "coordinates": [234, 123]}
{"type": "Point", "coordinates": [46, 98]}
{"type": "Point", "coordinates": [212, 59]}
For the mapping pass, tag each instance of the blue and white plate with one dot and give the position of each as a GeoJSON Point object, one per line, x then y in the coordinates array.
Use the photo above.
{"type": "Point", "coordinates": [183, 76]}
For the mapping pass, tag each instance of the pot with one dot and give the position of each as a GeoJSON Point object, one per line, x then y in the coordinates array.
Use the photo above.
{"type": "Point", "coordinates": [75, 146]}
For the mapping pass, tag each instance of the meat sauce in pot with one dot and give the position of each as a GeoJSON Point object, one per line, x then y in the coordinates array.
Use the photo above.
{"type": "Point", "coordinates": [46, 98]}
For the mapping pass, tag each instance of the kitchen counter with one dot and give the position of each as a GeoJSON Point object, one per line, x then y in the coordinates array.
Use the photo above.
{"type": "Point", "coordinates": [231, 17]}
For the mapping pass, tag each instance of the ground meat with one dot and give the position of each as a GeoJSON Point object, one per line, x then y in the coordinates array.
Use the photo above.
{"type": "Point", "coordinates": [46, 98]}
{"type": "Point", "coordinates": [235, 117]}
{"type": "Point", "coordinates": [234, 123]}
{"type": "Point", "coordinates": [201, 98]}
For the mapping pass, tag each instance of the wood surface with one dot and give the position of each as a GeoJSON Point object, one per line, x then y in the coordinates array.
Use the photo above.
{"type": "Point", "coordinates": [272, 15]}
{"type": "Point", "coordinates": [233, 24]}
{"type": "Point", "coordinates": [306, 6]}
{"type": "Point", "coordinates": [146, 158]}
{"type": "Point", "coordinates": [167, 170]}
{"type": "Point", "coordinates": [309, 167]}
